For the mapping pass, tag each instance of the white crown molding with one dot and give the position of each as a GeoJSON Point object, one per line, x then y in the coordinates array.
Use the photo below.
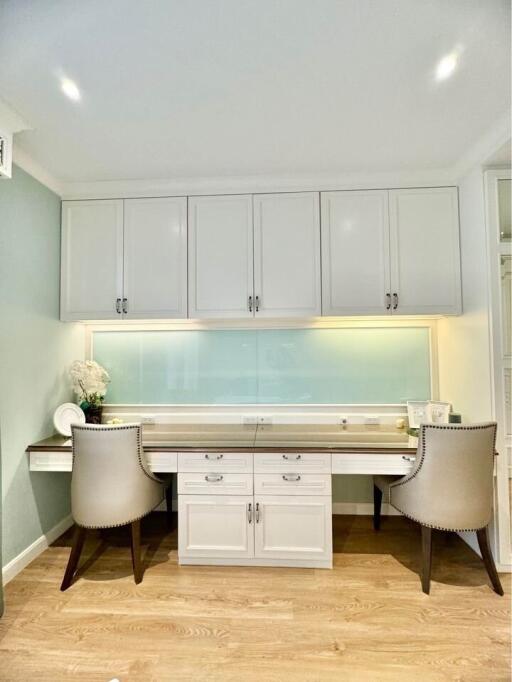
{"type": "Point", "coordinates": [10, 121]}
{"type": "Point", "coordinates": [484, 147]}
{"type": "Point", "coordinates": [254, 184]}
{"type": "Point", "coordinates": [27, 163]}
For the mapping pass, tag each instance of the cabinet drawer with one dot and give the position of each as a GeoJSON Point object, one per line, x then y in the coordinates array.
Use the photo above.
{"type": "Point", "coordinates": [303, 462]}
{"type": "Point", "coordinates": [162, 462]}
{"type": "Point", "coordinates": [206, 483]}
{"type": "Point", "coordinates": [292, 484]}
{"type": "Point", "coordinates": [371, 463]}
{"type": "Point", "coordinates": [231, 462]}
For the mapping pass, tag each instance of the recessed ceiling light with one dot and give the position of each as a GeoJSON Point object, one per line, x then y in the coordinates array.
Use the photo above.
{"type": "Point", "coordinates": [70, 89]}
{"type": "Point", "coordinates": [447, 66]}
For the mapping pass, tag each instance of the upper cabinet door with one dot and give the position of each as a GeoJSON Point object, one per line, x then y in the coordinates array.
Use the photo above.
{"type": "Point", "coordinates": [220, 260]}
{"type": "Point", "coordinates": [287, 255]}
{"type": "Point", "coordinates": [355, 253]}
{"type": "Point", "coordinates": [92, 260]}
{"type": "Point", "coordinates": [155, 258]}
{"type": "Point", "coordinates": [425, 258]}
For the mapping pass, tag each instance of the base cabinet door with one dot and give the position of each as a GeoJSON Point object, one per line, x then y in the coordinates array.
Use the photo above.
{"type": "Point", "coordinates": [216, 526]}
{"type": "Point", "coordinates": [293, 527]}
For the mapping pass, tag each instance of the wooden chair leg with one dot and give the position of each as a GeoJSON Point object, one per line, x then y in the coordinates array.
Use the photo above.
{"type": "Point", "coordinates": [168, 501]}
{"type": "Point", "coordinates": [74, 557]}
{"type": "Point", "coordinates": [426, 567]}
{"type": "Point", "coordinates": [377, 504]}
{"type": "Point", "coordinates": [483, 542]}
{"type": "Point", "coordinates": [137, 565]}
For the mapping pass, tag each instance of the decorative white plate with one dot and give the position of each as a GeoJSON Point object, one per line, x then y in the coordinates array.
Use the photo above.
{"type": "Point", "coordinates": [65, 415]}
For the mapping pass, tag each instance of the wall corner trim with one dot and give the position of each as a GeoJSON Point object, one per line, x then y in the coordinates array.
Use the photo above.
{"type": "Point", "coordinates": [24, 558]}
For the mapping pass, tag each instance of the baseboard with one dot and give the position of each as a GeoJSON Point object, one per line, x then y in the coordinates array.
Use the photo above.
{"type": "Point", "coordinates": [10, 570]}
{"type": "Point", "coordinates": [362, 509]}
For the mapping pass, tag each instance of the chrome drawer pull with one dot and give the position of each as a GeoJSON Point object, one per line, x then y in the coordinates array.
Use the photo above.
{"type": "Point", "coordinates": [213, 479]}
{"type": "Point", "coordinates": [214, 457]}
{"type": "Point", "coordinates": [296, 458]}
{"type": "Point", "coordinates": [249, 512]}
{"type": "Point", "coordinates": [292, 478]}
{"type": "Point", "coordinates": [408, 459]}
{"type": "Point", "coordinates": [257, 512]}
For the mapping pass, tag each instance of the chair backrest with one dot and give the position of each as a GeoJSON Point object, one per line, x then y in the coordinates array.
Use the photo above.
{"type": "Point", "coordinates": [110, 484]}
{"type": "Point", "coordinates": [451, 485]}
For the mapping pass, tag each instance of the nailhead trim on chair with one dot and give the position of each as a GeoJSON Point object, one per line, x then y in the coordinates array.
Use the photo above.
{"type": "Point", "coordinates": [139, 456]}
{"type": "Point", "coordinates": [402, 481]}
{"type": "Point", "coordinates": [125, 523]}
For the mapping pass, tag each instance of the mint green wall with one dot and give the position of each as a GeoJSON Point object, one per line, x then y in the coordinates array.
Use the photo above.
{"type": "Point", "coordinates": [35, 352]}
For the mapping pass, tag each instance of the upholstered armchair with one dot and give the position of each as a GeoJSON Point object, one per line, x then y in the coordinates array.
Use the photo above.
{"type": "Point", "coordinates": [449, 488]}
{"type": "Point", "coordinates": [111, 485]}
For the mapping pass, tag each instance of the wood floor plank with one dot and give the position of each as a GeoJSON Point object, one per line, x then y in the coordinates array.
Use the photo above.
{"type": "Point", "coordinates": [367, 619]}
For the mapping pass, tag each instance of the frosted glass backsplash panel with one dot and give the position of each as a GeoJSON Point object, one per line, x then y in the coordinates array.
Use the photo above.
{"type": "Point", "coordinates": [277, 366]}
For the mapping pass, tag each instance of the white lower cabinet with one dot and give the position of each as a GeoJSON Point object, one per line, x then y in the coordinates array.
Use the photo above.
{"type": "Point", "coordinates": [263, 519]}
{"type": "Point", "coordinates": [215, 526]}
{"type": "Point", "coordinates": [293, 527]}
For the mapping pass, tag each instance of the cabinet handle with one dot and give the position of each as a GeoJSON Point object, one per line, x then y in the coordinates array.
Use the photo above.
{"type": "Point", "coordinates": [388, 301]}
{"type": "Point", "coordinates": [395, 301]}
{"type": "Point", "coordinates": [296, 458]}
{"type": "Point", "coordinates": [125, 305]}
{"type": "Point", "coordinates": [249, 512]}
{"type": "Point", "coordinates": [257, 302]}
{"type": "Point", "coordinates": [213, 457]}
{"type": "Point", "coordinates": [118, 306]}
{"type": "Point", "coordinates": [257, 512]}
{"type": "Point", "coordinates": [292, 478]}
{"type": "Point", "coordinates": [217, 478]}
{"type": "Point", "coordinates": [408, 459]}
{"type": "Point", "coordinates": [250, 304]}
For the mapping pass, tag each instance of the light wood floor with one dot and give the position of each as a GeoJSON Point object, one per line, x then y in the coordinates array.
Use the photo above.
{"type": "Point", "coordinates": [365, 620]}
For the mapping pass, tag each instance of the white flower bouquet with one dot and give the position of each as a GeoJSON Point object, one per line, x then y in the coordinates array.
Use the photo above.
{"type": "Point", "coordinates": [89, 381]}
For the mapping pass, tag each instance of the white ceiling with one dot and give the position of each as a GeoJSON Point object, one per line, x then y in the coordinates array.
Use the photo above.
{"type": "Point", "coordinates": [174, 88]}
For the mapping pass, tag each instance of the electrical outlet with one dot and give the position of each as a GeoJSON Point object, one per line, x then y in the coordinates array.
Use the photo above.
{"type": "Point", "coordinates": [371, 421]}
{"type": "Point", "coordinates": [148, 419]}
{"type": "Point", "coordinates": [265, 420]}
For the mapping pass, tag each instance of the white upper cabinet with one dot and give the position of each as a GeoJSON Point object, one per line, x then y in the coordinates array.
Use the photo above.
{"type": "Point", "coordinates": [287, 255]}
{"type": "Point", "coordinates": [220, 257]}
{"type": "Point", "coordinates": [92, 260]}
{"type": "Point", "coordinates": [155, 258]}
{"type": "Point", "coordinates": [355, 253]}
{"type": "Point", "coordinates": [425, 257]}
{"type": "Point", "coordinates": [377, 252]}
